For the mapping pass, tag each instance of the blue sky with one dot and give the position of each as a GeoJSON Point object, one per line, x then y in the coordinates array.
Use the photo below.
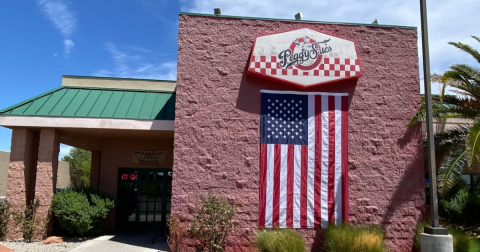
{"type": "Point", "coordinates": [41, 40]}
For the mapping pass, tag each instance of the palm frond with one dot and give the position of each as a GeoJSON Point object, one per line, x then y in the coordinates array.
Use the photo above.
{"type": "Point", "coordinates": [452, 167]}
{"type": "Point", "coordinates": [468, 49]}
{"type": "Point", "coordinates": [473, 144]}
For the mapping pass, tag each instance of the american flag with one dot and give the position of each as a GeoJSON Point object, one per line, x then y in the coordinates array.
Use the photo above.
{"type": "Point", "coordinates": [303, 159]}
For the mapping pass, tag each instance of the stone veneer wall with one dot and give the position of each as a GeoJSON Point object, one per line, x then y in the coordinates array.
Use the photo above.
{"type": "Point", "coordinates": [216, 145]}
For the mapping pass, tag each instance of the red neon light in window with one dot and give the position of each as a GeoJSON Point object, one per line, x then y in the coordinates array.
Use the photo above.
{"type": "Point", "coordinates": [133, 176]}
{"type": "Point", "coordinates": [124, 176]}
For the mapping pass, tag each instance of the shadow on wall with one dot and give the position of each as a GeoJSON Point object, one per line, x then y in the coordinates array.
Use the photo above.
{"type": "Point", "coordinates": [63, 175]}
{"type": "Point", "coordinates": [408, 200]}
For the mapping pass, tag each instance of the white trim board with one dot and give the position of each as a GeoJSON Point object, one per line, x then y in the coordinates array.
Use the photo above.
{"type": "Point", "coordinates": [86, 123]}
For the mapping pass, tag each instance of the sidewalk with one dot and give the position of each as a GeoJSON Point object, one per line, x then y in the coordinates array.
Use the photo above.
{"type": "Point", "coordinates": [125, 241]}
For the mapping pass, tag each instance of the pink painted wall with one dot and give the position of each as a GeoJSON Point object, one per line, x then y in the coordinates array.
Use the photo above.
{"type": "Point", "coordinates": [118, 154]}
{"type": "Point", "coordinates": [217, 124]}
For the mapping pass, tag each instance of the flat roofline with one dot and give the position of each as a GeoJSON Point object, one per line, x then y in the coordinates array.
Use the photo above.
{"type": "Point", "coordinates": [296, 21]}
{"type": "Point", "coordinates": [118, 83]}
{"type": "Point", "coordinates": [116, 78]}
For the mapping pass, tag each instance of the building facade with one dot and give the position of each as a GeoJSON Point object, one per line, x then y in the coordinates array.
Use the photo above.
{"type": "Point", "coordinates": [158, 146]}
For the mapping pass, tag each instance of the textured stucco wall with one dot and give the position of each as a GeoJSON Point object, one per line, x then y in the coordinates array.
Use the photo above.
{"type": "Point", "coordinates": [217, 124]}
{"type": "Point", "coordinates": [4, 161]}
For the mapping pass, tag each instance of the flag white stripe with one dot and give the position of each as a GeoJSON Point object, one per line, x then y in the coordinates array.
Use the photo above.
{"type": "Point", "coordinates": [269, 192]}
{"type": "Point", "coordinates": [324, 180]}
{"type": "Point", "coordinates": [338, 160]}
{"type": "Point", "coordinates": [297, 180]}
{"type": "Point", "coordinates": [311, 162]}
{"type": "Point", "coordinates": [283, 185]}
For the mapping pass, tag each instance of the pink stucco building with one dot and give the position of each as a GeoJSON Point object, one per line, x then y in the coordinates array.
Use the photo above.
{"type": "Point", "coordinates": [163, 144]}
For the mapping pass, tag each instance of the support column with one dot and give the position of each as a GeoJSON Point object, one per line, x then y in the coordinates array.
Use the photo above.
{"type": "Point", "coordinates": [95, 168]}
{"type": "Point", "coordinates": [21, 174]}
{"type": "Point", "coordinates": [47, 166]}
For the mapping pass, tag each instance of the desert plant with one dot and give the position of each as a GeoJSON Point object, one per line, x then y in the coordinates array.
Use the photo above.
{"type": "Point", "coordinates": [82, 211]}
{"type": "Point", "coordinates": [4, 218]}
{"type": "Point", "coordinates": [213, 222]}
{"type": "Point", "coordinates": [348, 238]}
{"type": "Point", "coordinates": [463, 242]}
{"type": "Point", "coordinates": [30, 222]}
{"type": "Point", "coordinates": [176, 234]}
{"type": "Point", "coordinates": [279, 240]}
{"type": "Point", "coordinates": [461, 210]}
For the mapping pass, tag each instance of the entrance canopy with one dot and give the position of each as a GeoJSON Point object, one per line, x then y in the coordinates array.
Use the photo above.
{"type": "Point", "coordinates": [87, 109]}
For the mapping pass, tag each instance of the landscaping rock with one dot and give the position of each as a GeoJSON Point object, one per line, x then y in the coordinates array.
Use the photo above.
{"type": "Point", "coordinates": [5, 249]}
{"type": "Point", "coordinates": [53, 239]}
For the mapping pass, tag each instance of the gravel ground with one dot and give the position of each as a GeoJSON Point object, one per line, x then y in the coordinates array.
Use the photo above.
{"type": "Point", "coordinates": [38, 246]}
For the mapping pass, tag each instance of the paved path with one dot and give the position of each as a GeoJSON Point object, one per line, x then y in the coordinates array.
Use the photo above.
{"type": "Point", "coordinates": [125, 241]}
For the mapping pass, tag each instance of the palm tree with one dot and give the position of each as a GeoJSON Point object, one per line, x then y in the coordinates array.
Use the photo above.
{"type": "Point", "coordinates": [457, 148]}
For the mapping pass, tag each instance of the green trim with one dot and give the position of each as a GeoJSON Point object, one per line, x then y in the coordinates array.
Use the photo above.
{"type": "Point", "coordinates": [115, 78]}
{"type": "Point", "coordinates": [29, 100]}
{"type": "Point", "coordinates": [296, 21]}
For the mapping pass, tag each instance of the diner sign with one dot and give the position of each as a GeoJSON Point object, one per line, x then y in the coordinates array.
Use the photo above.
{"type": "Point", "coordinates": [149, 157]}
{"type": "Point", "coordinates": [304, 58]}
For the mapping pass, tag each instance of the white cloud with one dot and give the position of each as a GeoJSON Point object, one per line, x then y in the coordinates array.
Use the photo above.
{"type": "Point", "coordinates": [448, 20]}
{"type": "Point", "coordinates": [62, 18]}
{"type": "Point", "coordinates": [68, 46]}
{"type": "Point", "coordinates": [129, 64]}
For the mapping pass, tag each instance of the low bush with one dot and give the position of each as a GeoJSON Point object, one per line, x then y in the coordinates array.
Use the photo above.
{"type": "Point", "coordinates": [4, 218]}
{"type": "Point", "coordinates": [279, 240]}
{"type": "Point", "coordinates": [176, 234]}
{"type": "Point", "coordinates": [30, 222]}
{"type": "Point", "coordinates": [213, 222]}
{"type": "Point", "coordinates": [463, 242]}
{"type": "Point", "coordinates": [82, 211]}
{"type": "Point", "coordinates": [348, 238]}
{"type": "Point", "coordinates": [461, 210]}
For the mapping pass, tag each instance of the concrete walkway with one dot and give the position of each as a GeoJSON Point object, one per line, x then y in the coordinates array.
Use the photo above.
{"type": "Point", "coordinates": [125, 241]}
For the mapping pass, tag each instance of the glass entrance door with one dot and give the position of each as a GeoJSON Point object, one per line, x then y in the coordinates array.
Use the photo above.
{"type": "Point", "coordinates": [143, 197]}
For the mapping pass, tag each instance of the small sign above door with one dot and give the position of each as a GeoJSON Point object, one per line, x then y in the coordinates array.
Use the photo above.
{"type": "Point", "coordinates": [149, 157]}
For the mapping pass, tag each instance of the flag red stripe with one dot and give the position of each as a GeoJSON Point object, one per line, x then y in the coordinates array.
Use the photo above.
{"type": "Point", "coordinates": [263, 185]}
{"type": "Point", "coordinates": [304, 184]}
{"type": "Point", "coordinates": [276, 186]}
{"type": "Point", "coordinates": [290, 169]}
{"type": "Point", "coordinates": [331, 158]}
{"type": "Point", "coordinates": [345, 159]}
{"type": "Point", "coordinates": [318, 160]}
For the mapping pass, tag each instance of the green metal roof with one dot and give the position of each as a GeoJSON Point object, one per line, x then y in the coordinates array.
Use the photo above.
{"type": "Point", "coordinates": [293, 20]}
{"type": "Point", "coordinates": [98, 103]}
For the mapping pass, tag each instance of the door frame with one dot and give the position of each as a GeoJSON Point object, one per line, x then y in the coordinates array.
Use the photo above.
{"type": "Point", "coordinates": [119, 224]}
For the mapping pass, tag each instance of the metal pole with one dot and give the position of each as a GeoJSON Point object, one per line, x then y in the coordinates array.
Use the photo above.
{"type": "Point", "coordinates": [428, 106]}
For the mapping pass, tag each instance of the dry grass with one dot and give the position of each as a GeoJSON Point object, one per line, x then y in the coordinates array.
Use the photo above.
{"type": "Point", "coordinates": [346, 238]}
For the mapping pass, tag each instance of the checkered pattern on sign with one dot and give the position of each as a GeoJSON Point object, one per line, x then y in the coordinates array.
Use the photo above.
{"type": "Point", "coordinates": [331, 67]}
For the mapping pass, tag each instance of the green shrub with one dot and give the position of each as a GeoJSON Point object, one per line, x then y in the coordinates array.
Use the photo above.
{"type": "Point", "coordinates": [348, 238]}
{"type": "Point", "coordinates": [82, 211]}
{"type": "Point", "coordinates": [279, 240]}
{"type": "Point", "coordinates": [213, 222]}
{"type": "Point", "coordinates": [4, 218]}
{"type": "Point", "coordinates": [463, 242]}
{"type": "Point", "coordinates": [176, 234]}
{"type": "Point", "coordinates": [461, 210]}
{"type": "Point", "coordinates": [421, 224]}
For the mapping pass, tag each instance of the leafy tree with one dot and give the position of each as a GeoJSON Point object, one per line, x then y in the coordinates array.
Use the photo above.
{"type": "Point", "coordinates": [80, 164]}
{"type": "Point", "coordinates": [457, 148]}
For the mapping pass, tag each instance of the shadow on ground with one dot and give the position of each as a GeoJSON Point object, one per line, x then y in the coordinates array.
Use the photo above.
{"type": "Point", "coordinates": [126, 240]}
